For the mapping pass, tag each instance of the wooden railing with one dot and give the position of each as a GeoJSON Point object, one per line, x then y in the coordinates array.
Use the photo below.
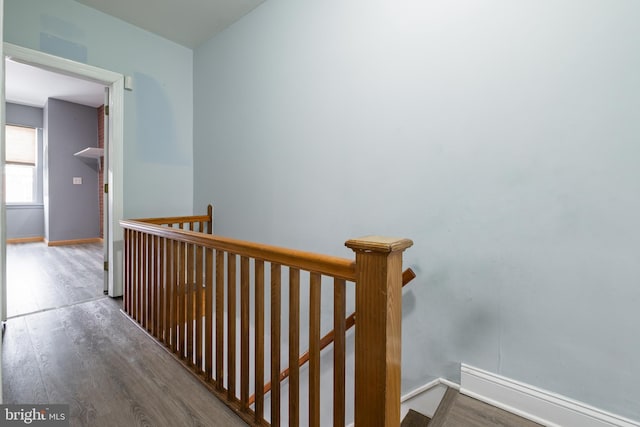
{"type": "Point", "coordinates": [407, 276]}
{"type": "Point", "coordinates": [188, 288]}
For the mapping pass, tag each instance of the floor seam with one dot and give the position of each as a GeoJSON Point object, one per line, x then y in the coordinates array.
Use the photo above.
{"type": "Point", "coordinates": [44, 310]}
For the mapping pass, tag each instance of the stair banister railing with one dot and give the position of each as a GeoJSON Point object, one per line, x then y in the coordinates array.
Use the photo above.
{"type": "Point", "coordinates": [407, 276]}
{"type": "Point", "coordinates": [176, 272]}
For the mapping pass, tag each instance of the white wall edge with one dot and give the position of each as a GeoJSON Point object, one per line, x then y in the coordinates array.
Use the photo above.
{"type": "Point", "coordinates": [541, 406]}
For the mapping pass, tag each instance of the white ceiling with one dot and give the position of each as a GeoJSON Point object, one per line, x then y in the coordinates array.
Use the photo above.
{"type": "Point", "coordinates": [186, 22]}
{"type": "Point", "coordinates": [32, 86]}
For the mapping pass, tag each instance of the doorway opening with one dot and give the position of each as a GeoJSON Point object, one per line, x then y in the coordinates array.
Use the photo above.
{"type": "Point", "coordinates": [111, 168]}
{"type": "Point", "coordinates": [54, 198]}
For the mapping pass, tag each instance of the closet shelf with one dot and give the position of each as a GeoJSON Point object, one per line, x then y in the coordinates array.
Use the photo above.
{"type": "Point", "coordinates": [91, 152]}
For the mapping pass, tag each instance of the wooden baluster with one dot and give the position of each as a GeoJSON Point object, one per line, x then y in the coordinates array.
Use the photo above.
{"type": "Point", "coordinates": [139, 282]}
{"type": "Point", "coordinates": [220, 320]}
{"type": "Point", "coordinates": [231, 326]}
{"type": "Point", "coordinates": [145, 281]}
{"type": "Point", "coordinates": [182, 300]}
{"type": "Point", "coordinates": [378, 334]}
{"type": "Point", "coordinates": [135, 257]}
{"type": "Point", "coordinates": [275, 343]}
{"type": "Point", "coordinates": [244, 332]}
{"type": "Point", "coordinates": [127, 271]}
{"type": "Point", "coordinates": [153, 256]}
{"type": "Point", "coordinates": [314, 350]}
{"type": "Point", "coordinates": [162, 313]}
{"type": "Point", "coordinates": [339, 350]}
{"type": "Point", "coordinates": [132, 272]}
{"type": "Point", "coordinates": [259, 338]}
{"type": "Point", "coordinates": [175, 300]}
{"type": "Point", "coordinates": [189, 300]}
{"type": "Point", "coordinates": [208, 314]}
{"type": "Point", "coordinates": [168, 292]}
{"type": "Point", "coordinates": [294, 347]}
{"type": "Point", "coordinates": [198, 304]}
{"type": "Point", "coordinates": [149, 282]}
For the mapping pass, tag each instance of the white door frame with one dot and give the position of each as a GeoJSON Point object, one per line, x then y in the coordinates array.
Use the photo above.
{"type": "Point", "coordinates": [3, 222]}
{"type": "Point", "coordinates": [114, 152]}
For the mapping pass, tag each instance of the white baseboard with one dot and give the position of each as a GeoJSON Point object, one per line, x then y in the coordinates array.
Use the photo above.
{"type": "Point", "coordinates": [425, 399]}
{"type": "Point", "coordinates": [538, 405]}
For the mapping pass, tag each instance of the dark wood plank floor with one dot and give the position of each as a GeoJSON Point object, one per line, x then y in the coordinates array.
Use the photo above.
{"type": "Point", "coordinates": [40, 277]}
{"type": "Point", "coordinates": [90, 356]}
{"type": "Point", "coordinates": [458, 410]}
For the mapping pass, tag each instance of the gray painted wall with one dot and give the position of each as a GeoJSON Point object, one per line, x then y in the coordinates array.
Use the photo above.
{"type": "Point", "coordinates": [23, 115]}
{"type": "Point", "coordinates": [502, 137]}
{"type": "Point", "coordinates": [72, 210]}
{"type": "Point", "coordinates": [26, 220]}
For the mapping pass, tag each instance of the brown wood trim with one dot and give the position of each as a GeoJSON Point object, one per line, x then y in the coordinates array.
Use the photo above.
{"type": "Point", "coordinates": [176, 219]}
{"type": "Point", "coordinates": [231, 324]}
{"type": "Point", "coordinates": [25, 240]}
{"type": "Point", "coordinates": [259, 340]}
{"type": "Point", "coordinates": [378, 337]}
{"type": "Point", "coordinates": [219, 376]}
{"type": "Point", "coordinates": [294, 347]}
{"type": "Point", "coordinates": [74, 242]}
{"type": "Point", "coordinates": [407, 276]}
{"type": "Point", "coordinates": [341, 268]}
{"type": "Point", "coordinates": [339, 351]}
{"type": "Point", "coordinates": [315, 281]}
{"type": "Point", "coordinates": [276, 346]}
{"type": "Point", "coordinates": [245, 305]}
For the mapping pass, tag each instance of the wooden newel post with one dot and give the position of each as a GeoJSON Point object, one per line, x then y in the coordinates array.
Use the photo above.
{"type": "Point", "coordinates": [378, 329]}
{"type": "Point", "coordinates": [210, 222]}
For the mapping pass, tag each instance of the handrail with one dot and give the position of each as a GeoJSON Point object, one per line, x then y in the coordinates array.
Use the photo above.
{"type": "Point", "coordinates": [174, 219]}
{"type": "Point", "coordinates": [175, 273]}
{"type": "Point", "coordinates": [192, 219]}
{"type": "Point", "coordinates": [407, 276]}
{"type": "Point", "coordinates": [341, 268]}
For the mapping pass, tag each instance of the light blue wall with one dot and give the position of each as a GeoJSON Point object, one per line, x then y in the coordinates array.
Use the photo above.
{"type": "Point", "coordinates": [502, 137]}
{"type": "Point", "coordinates": [158, 175]}
{"type": "Point", "coordinates": [27, 220]}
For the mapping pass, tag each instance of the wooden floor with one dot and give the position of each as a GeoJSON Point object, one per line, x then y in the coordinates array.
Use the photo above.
{"type": "Point", "coordinates": [90, 356]}
{"type": "Point", "coordinates": [40, 277]}
{"type": "Point", "coordinates": [458, 410]}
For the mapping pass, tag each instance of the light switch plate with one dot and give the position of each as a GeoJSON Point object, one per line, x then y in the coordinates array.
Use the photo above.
{"type": "Point", "coordinates": [77, 180]}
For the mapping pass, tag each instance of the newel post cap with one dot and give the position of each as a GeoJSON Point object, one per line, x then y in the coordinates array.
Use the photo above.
{"type": "Point", "coordinates": [378, 244]}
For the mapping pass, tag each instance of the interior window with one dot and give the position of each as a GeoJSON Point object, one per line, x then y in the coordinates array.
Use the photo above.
{"type": "Point", "coordinates": [20, 169]}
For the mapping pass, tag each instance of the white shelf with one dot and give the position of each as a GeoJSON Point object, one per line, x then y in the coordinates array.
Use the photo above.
{"type": "Point", "coordinates": [91, 152]}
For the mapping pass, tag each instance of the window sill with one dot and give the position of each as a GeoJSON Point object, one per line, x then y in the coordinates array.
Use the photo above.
{"type": "Point", "coordinates": [11, 206]}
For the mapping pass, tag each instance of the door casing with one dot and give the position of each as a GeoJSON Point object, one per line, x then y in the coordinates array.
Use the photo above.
{"type": "Point", "coordinates": [113, 153]}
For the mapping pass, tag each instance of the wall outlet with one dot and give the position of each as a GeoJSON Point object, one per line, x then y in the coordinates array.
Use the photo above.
{"type": "Point", "coordinates": [77, 180]}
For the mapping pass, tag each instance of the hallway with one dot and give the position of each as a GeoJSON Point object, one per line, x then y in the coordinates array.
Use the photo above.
{"type": "Point", "coordinates": [90, 356]}
{"type": "Point", "coordinates": [41, 277]}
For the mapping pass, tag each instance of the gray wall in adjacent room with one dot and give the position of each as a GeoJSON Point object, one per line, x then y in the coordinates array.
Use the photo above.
{"type": "Point", "coordinates": [72, 210]}
{"type": "Point", "coordinates": [27, 220]}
